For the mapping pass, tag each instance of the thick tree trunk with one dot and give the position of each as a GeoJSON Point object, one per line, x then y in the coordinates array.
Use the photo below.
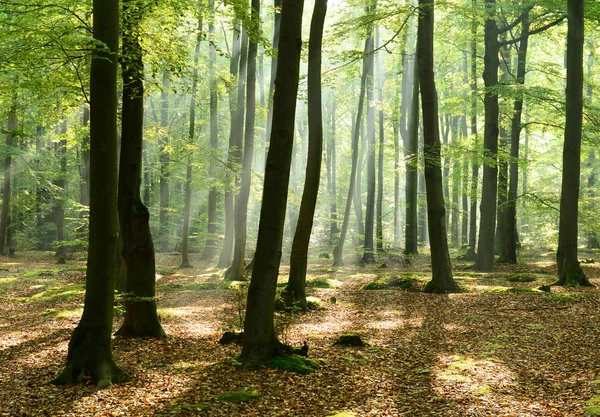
{"type": "Point", "coordinates": [260, 340]}
{"type": "Point", "coordinates": [89, 354]}
{"type": "Point", "coordinates": [294, 292]}
{"type": "Point", "coordinates": [441, 266]}
{"type": "Point", "coordinates": [84, 187]}
{"type": "Point", "coordinates": [485, 248]}
{"type": "Point", "coordinates": [211, 232]}
{"type": "Point", "coordinates": [339, 249]}
{"type": "Point", "coordinates": [509, 249]}
{"type": "Point", "coordinates": [236, 270]}
{"type": "Point", "coordinates": [569, 270]}
{"type": "Point", "coordinates": [11, 128]}
{"type": "Point", "coordinates": [141, 318]}
{"type": "Point", "coordinates": [368, 254]}
{"type": "Point", "coordinates": [187, 195]}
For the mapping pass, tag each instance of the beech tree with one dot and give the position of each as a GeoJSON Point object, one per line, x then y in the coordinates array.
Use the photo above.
{"type": "Point", "coordinates": [89, 352]}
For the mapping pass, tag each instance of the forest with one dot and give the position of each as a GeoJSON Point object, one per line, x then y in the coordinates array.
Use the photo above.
{"type": "Point", "coordinates": [345, 208]}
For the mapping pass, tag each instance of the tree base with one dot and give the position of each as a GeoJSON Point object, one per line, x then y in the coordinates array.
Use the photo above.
{"type": "Point", "coordinates": [90, 358]}
{"type": "Point", "coordinates": [368, 258]}
{"type": "Point", "coordinates": [445, 287]}
{"type": "Point", "coordinates": [141, 320]}
{"type": "Point", "coordinates": [186, 265]}
{"type": "Point", "coordinates": [573, 277]}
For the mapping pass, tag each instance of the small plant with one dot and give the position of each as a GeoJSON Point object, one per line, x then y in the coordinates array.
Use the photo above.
{"type": "Point", "coordinates": [284, 321]}
{"type": "Point", "coordinates": [236, 308]}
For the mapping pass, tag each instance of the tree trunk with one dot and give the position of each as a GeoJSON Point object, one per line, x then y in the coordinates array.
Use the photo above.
{"type": "Point", "coordinates": [141, 318]}
{"type": "Point", "coordinates": [11, 128]}
{"type": "Point", "coordinates": [84, 187]}
{"type": "Point", "coordinates": [411, 155]}
{"type": "Point", "coordinates": [379, 210]}
{"type": "Point", "coordinates": [260, 340]}
{"type": "Point", "coordinates": [334, 229]}
{"type": "Point", "coordinates": [465, 177]}
{"type": "Point", "coordinates": [234, 133]}
{"type": "Point", "coordinates": [456, 185]}
{"type": "Point", "coordinates": [441, 266]}
{"type": "Point", "coordinates": [368, 254]}
{"type": "Point", "coordinates": [187, 195]}
{"type": "Point", "coordinates": [236, 270]}
{"type": "Point", "coordinates": [164, 158]}
{"type": "Point", "coordinates": [569, 270]}
{"type": "Point", "coordinates": [502, 158]}
{"type": "Point", "coordinates": [471, 255]}
{"type": "Point", "coordinates": [358, 206]}
{"type": "Point", "coordinates": [485, 249]}
{"type": "Point", "coordinates": [276, 31]}
{"type": "Point", "coordinates": [59, 207]}
{"type": "Point", "coordinates": [509, 249]}
{"type": "Point", "coordinates": [339, 249]}
{"type": "Point", "coordinates": [211, 232]}
{"type": "Point", "coordinates": [89, 354]}
{"type": "Point", "coordinates": [295, 292]}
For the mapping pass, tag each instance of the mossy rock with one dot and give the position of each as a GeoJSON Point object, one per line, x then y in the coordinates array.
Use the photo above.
{"type": "Point", "coordinates": [406, 282]}
{"type": "Point", "coordinates": [238, 396]}
{"type": "Point", "coordinates": [289, 363]}
{"type": "Point", "coordinates": [350, 340]}
{"type": "Point", "coordinates": [521, 278]}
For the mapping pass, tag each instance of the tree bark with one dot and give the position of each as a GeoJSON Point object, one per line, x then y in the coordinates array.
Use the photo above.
{"type": "Point", "coordinates": [471, 255]}
{"type": "Point", "coordinates": [274, 54]}
{"type": "Point", "coordinates": [164, 159]}
{"type": "Point", "coordinates": [260, 340]}
{"type": "Point", "coordinates": [339, 248]}
{"type": "Point", "coordinates": [141, 318]}
{"type": "Point", "coordinates": [379, 209]}
{"type": "Point", "coordinates": [59, 203]}
{"type": "Point", "coordinates": [502, 157]}
{"type": "Point", "coordinates": [294, 292]}
{"type": "Point", "coordinates": [570, 272]}
{"type": "Point", "coordinates": [334, 229]}
{"type": "Point", "coordinates": [11, 128]}
{"type": "Point", "coordinates": [441, 266]}
{"type": "Point", "coordinates": [485, 248]}
{"type": "Point", "coordinates": [236, 270]}
{"type": "Point", "coordinates": [211, 232]}
{"type": "Point", "coordinates": [509, 249]}
{"type": "Point", "coordinates": [368, 254]}
{"type": "Point", "coordinates": [235, 131]}
{"type": "Point", "coordinates": [411, 155]}
{"type": "Point", "coordinates": [187, 194]}
{"type": "Point", "coordinates": [89, 353]}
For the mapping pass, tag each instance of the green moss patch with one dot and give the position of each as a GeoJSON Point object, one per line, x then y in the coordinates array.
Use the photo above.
{"type": "Point", "coordinates": [238, 396]}
{"type": "Point", "coordinates": [592, 411]}
{"type": "Point", "coordinates": [563, 297]}
{"type": "Point", "coordinates": [68, 292]}
{"type": "Point", "coordinates": [522, 289]}
{"type": "Point", "coordinates": [403, 282]}
{"type": "Point", "coordinates": [294, 363]}
{"type": "Point", "coordinates": [521, 278]}
{"type": "Point", "coordinates": [163, 270]}
{"type": "Point", "coordinates": [350, 340]}
{"type": "Point", "coordinates": [322, 283]}
{"type": "Point", "coordinates": [40, 272]}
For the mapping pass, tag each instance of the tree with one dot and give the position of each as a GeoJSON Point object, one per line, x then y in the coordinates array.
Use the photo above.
{"type": "Point", "coordinates": [187, 206]}
{"type": "Point", "coordinates": [368, 255]}
{"type": "Point", "coordinates": [260, 340]}
{"type": "Point", "coordinates": [295, 292]}
{"type": "Point", "coordinates": [89, 353]}
{"type": "Point", "coordinates": [338, 252]}
{"type": "Point", "coordinates": [441, 266]}
{"type": "Point", "coordinates": [236, 270]}
{"type": "Point", "coordinates": [164, 158]}
{"type": "Point", "coordinates": [570, 272]}
{"type": "Point", "coordinates": [11, 129]}
{"type": "Point", "coordinates": [141, 318]}
{"type": "Point", "coordinates": [485, 248]}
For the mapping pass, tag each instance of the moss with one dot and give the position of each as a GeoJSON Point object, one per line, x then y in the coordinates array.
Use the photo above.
{"type": "Point", "coordinates": [521, 289]}
{"type": "Point", "coordinates": [197, 286]}
{"type": "Point", "coordinates": [238, 396]}
{"type": "Point", "coordinates": [562, 297]}
{"type": "Point", "coordinates": [296, 364]}
{"type": "Point", "coordinates": [407, 282]}
{"type": "Point", "coordinates": [163, 270]}
{"type": "Point", "coordinates": [521, 278]}
{"type": "Point", "coordinates": [314, 303]}
{"type": "Point", "coordinates": [67, 292]}
{"type": "Point", "coordinates": [493, 346]}
{"type": "Point", "coordinates": [40, 272]}
{"type": "Point", "coordinates": [592, 411]}
{"type": "Point", "coordinates": [322, 283]}
{"type": "Point", "coordinates": [65, 314]}
{"type": "Point", "coordinates": [350, 340]}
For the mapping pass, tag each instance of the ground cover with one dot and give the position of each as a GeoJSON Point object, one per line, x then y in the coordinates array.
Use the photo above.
{"type": "Point", "coordinates": [501, 348]}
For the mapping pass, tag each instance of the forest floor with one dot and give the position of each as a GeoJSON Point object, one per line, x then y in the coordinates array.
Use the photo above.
{"type": "Point", "coordinates": [502, 348]}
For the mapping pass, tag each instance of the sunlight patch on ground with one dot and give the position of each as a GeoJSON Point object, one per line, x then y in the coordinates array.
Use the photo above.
{"type": "Point", "coordinates": [462, 376]}
{"type": "Point", "coordinates": [16, 337]}
{"type": "Point", "coordinates": [453, 327]}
